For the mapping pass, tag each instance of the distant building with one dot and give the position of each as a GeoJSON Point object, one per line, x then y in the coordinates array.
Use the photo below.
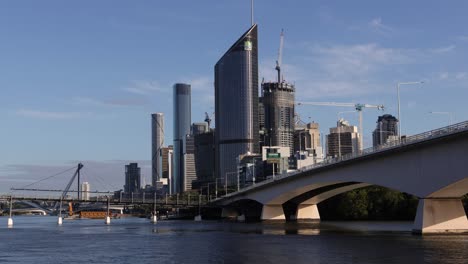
{"type": "Point", "coordinates": [278, 103]}
{"type": "Point", "coordinates": [204, 159]}
{"type": "Point", "coordinates": [182, 121]}
{"type": "Point", "coordinates": [343, 137]}
{"type": "Point", "coordinates": [85, 189]}
{"type": "Point", "coordinates": [276, 160]}
{"type": "Point", "coordinates": [261, 122]}
{"type": "Point", "coordinates": [307, 143]}
{"type": "Point", "coordinates": [236, 103]}
{"type": "Point", "coordinates": [157, 139]}
{"type": "Point", "coordinates": [200, 128]}
{"type": "Point", "coordinates": [190, 174]}
{"type": "Point", "coordinates": [386, 130]}
{"type": "Point", "coordinates": [166, 162]}
{"type": "Point", "coordinates": [132, 178]}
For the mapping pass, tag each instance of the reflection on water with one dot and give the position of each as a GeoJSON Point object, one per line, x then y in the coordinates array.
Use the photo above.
{"type": "Point", "coordinates": [40, 240]}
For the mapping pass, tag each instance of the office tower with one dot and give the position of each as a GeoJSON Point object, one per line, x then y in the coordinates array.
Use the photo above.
{"type": "Point", "coordinates": [132, 178]}
{"type": "Point", "coordinates": [200, 128]}
{"type": "Point", "coordinates": [386, 130]}
{"type": "Point", "coordinates": [278, 102]}
{"type": "Point", "coordinates": [85, 189]}
{"type": "Point", "coordinates": [182, 121]}
{"type": "Point", "coordinates": [343, 139]}
{"type": "Point", "coordinates": [307, 142]}
{"type": "Point", "coordinates": [190, 173]}
{"type": "Point", "coordinates": [165, 163]}
{"type": "Point", "coordinates": [204, 159]}
{"type": "Point", "coordinates": [261, 122]}
{"type": "Point", "coordinates": [236, 103]}
{"type": "Point", "coordinates": [157, 138]}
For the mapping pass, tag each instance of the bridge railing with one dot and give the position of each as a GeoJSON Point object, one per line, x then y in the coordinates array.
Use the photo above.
{"type": "Point", "coordinates": [440, 132]}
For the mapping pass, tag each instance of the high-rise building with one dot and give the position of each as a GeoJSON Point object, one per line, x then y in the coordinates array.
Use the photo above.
{"type": "Point", "coordinates": [343, 139]}
{"type": "Point", "coordinates": [278, 101]}
{"type": "Point", "coordinates": [236, 103]}
{"type": "Point", "coordinates": [165, 162]}
{"type": "Point", "coordinates": [157, 138]}
{"type": "Point", "coordinates": [386, 130]}
{"type": "Point", "coordinates": [200, 128]}
{"type": "Point", "coordinates": [190, 174]}
{"type": "Point", "coordinates": [182, 121]}
{"type": "Point", "coordinates": [132, 178]}
{"type": "Point", "coordinates": [307, 144]}
{"type": "Point", "coordinates": [204, 159]}
{"type": "Point", "coordinates": [85, 189]}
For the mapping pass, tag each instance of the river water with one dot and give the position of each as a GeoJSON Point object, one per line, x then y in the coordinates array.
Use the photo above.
{"type": "Point", "coordinates": [135, 240]}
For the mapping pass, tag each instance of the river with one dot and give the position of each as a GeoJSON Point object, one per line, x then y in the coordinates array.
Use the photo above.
{"type": "Point", "coordinates": [38, 239]}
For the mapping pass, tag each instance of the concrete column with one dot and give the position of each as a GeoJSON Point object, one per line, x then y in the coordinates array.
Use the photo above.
{"type": "Point", "coordinates": [307, 212]}
{"type": "Point", "coordinates": [440, 216]}
{"type": "Point", "coordinates": [273, 212]}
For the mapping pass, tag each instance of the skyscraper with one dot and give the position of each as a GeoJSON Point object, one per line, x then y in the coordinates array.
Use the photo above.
{"type": "Point", "coordinates": [157, 138]}
{"type": "Point", "coordinates": [387, 128]}
{"type": "Point", "coordinates": [236, 102]}
{"type": "Point", "coordinates": [343, 139]}
{"type": "Point", "coordinates": [278, 101]}
{"type": "Point", "coordinates": [182, 121]}
{"type": "Point", "coordinates": [132, 178]}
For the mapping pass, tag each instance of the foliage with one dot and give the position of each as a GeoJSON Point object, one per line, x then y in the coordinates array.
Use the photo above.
{"type": "Point", "coordinates": [370, 203]}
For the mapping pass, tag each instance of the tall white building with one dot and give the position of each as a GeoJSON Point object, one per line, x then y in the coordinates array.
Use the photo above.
{"type": "Point", "coordinates": [85, 189]}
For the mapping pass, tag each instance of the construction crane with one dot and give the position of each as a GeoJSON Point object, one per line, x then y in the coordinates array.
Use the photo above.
{"type": "Point", "coordinates": [207, 119]}
{"type": "Point", "coordinates": [357, 107]}
{"type": "Point", "coordinates": [280, 56]}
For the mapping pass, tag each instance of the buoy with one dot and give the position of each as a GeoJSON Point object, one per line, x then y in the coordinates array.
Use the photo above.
{"type": "Point", "coordinates": [154, 219]}
{"type": "Point", "coordinates": [198, 218]}
{"type": "Point", "coordinates": [107, 220]}
{"type": "Point", "coordinates": [10, 222]}
{"type": "Point", "coordinates": [59, 220]}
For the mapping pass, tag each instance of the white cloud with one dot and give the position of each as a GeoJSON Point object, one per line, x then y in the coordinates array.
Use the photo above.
{"type": "Point", "coordinates": [377, 25]}
{"type": "Point", "coordinates": [443, 49]}
{"type": "Point", "coordinates": [461, 75]}
{"type": "Point", "coordinates": [116, 102]}
{"type": "Point", "coordinates": [443, 75]}
{"type": "Point", "coordinates": [51, 115]}
{"type": "Point", "coordinates": [144, 87]}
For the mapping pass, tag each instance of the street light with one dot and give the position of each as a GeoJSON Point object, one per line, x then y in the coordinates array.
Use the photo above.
{"type": "Point", "coordinates": [398, 94]}
{"type": "Point", "coordinates": [450, 116]}
{"type": "Point", "coordinates": [254, 165]}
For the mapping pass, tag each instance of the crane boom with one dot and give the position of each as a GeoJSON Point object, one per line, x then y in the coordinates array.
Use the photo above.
{"type": "Point", "coordinates": [280, 56]}
{"type": "Point", "coordinates": [357, 106]}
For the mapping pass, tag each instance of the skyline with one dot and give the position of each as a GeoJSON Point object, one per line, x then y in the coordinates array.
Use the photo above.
{"type": "Point", "coordinates": [80, 81]}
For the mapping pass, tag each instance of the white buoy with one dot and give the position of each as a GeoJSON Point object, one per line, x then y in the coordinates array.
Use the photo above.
{"type": "Point", "coordinates": [10, 222]}
{"type": "Point", "coordinates": [107, 220]}
{"type": "Point", "coordinates": [59, 220]}
{"type": "Point", "coordinates": [154, 219]}
{"type": "Point", "coordinates": [198, 218]}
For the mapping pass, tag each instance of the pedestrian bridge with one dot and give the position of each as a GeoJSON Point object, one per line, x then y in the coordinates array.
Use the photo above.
{"type": "Point", "coordinates": [432, 166]}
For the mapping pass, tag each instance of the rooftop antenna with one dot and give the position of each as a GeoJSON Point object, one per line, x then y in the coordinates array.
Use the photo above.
{"type": "Point", "coordinates": [252, 12]}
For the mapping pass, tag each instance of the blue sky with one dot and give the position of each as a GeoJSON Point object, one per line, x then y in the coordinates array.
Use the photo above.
{"type": "Point", "coordinates": [79, 80]}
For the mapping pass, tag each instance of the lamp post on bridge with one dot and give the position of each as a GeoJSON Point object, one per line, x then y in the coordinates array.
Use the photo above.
{"type": "Point", "coordinates": [225, 180]}
{"type": "Point", "coordinates": [398, 95]}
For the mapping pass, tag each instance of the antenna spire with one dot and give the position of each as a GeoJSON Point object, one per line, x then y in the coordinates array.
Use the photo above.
{"type": "Point", "coordinates": [252, 12]}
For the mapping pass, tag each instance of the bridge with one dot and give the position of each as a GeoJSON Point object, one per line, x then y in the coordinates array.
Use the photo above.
{"type": "Point", "coordinates": [432, 166]}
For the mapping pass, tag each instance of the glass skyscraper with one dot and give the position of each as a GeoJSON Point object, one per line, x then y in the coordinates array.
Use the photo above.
{"type": "Point", "coordinates": [236, 103]}
{"type": "Point", "coordinates": [182, 122]}
{"type": "Point", "coordinates": [157, 138]}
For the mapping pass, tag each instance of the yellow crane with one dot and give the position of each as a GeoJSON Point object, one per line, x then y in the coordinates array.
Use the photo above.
{"type": "Point", "coordinates": [358, 107]}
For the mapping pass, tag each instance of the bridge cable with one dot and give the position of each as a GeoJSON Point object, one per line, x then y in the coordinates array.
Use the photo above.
{"type": "Point", "coordinates": [54, 175]}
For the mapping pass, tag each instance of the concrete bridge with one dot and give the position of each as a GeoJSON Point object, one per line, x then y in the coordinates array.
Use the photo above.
{"type": "Point", "coordinates": [432, 166]}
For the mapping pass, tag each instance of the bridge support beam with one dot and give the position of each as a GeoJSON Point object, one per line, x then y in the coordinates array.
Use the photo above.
{"type": "Point", "coordinates": [440, 216]}
{"type": "Point", "coordinates": [273, 212]}
{"type": "Point", "coordinates": [307, 212]}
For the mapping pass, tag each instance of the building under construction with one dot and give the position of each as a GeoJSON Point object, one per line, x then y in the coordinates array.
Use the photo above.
{"type": "Point", "coordinates": [278, 101]}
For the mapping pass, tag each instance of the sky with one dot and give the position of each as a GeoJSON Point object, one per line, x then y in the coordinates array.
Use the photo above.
{"type": "Point", "coordinates": [79, 80]}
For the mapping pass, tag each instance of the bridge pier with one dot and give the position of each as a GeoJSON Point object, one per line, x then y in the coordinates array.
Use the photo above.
{"type": "Point", "coordinates": [273, 212]}
{"type": "Point", "coordinates": [440, 216]}
{"type": "Point", "coordinates": [307, 212]}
